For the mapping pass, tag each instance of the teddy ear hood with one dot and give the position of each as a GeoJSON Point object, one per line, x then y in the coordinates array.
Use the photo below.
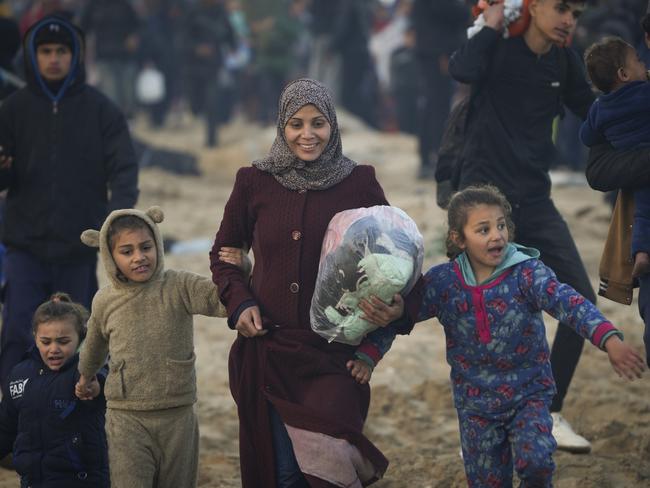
{"type": "Point", "coordinates": [93, 238]}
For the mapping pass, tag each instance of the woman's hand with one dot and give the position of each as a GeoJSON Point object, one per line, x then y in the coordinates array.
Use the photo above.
{"type": "Point", "coordinates": [379, 313]}
{"type": "Point", "coordinates": [626, 361]}
{"type": "Point", "coordinates": [250, 322]}
{"type": "Point", "coordinates": [360, 370]}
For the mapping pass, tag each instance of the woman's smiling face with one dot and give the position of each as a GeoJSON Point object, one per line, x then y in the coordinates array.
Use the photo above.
{"type": "Point", "coordinates": [307, 133]}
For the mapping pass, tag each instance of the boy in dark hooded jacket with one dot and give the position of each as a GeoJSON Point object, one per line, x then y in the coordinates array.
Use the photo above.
{"type": "Point", "coordinates": [67, 160]}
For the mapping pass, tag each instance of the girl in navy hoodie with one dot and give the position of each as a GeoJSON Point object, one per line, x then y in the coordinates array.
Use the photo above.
{"type": "Point", "coordinates": [57, 440]}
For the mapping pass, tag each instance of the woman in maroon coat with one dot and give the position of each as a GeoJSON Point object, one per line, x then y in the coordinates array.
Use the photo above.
{"type": "Point", "coordinates": [293, 391]}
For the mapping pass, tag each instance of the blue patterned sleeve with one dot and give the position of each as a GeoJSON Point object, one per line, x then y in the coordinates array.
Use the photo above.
{"type": "Point", "coordinates": [436, 276]}
{"type": "Point", "coordinates": [564, 303]}
{"type": "Point", "coordinates": [378, 342]}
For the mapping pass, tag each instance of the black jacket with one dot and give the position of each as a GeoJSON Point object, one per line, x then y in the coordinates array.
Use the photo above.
{"type": "Point", "coordinates": [609, 169]}
{"type": "Point", "coordinates": [57, 440]}
{"type": "Point", "coordinates": [508, 137]}
{"type": "Point", "coordinates": [73, 161]}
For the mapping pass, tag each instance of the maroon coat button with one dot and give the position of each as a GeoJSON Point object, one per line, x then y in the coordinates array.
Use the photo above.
{"type": "Point", "coordinates": [296, 235]}
{"type": "Point", "coordinates": [294, 287]}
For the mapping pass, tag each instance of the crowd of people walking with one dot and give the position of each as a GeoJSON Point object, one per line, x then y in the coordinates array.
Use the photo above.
{"type": "Point", "coordinates": [73, 73]}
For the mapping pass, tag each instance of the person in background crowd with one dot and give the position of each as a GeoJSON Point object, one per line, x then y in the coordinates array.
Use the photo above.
{"type": "Point", "coordinates": [274, 56]}
{"type": "Point", "coordinates": [404, 83]}
{"type": "Point", "coordinates": [439, 30]}
{"type": "Point", "coordinates": [207, 35]}
{"type": "Point", "coordinates": [9, 45]}
{"type": "Point", "coordinates": [114, 25]}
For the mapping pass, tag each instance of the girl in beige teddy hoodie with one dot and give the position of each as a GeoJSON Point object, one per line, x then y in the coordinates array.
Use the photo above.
{"type": "Point", "coordinates": [143, 320]}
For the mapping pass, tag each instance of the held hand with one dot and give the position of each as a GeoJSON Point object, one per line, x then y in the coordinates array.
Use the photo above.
{"type": "Point", "coordinates": [87, 390]}
{"type": "Point", "coordinates": [250, 323]}
{"type": "Point", "coordinates": [493, 15]}
{"type": "Point", "coordinates": [626, 361]}
{"type": "Point", "coordinates": [93, 388]}
{"type": "Point", "coordinates": [232, 255]}
{"type": "Point", "coordinates": [360, 370]}
{"type": "Point", "coordinates": [379, 313]}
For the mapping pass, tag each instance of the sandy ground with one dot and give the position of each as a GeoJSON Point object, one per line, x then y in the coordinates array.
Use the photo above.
{"type": "Point", "coordinates": [411, 417]}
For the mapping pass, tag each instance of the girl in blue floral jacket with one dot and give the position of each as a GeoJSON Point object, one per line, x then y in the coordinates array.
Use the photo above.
{"type": "Point", "coordinates": [489, 299]}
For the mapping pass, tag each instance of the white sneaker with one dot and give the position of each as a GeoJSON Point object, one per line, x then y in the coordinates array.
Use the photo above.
{"type": "Point", "coordinates": [566, 438]}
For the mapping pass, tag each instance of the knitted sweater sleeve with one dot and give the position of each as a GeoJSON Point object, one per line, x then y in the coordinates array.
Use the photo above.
{"type": "Point", "coordinates": [235, 231]}
{"type": "Point", "coordinates": [564, 303]}
{"type": "Point", "coordinates": [94, 350]}
{"type": "Point", "coordinates": [200, 295]}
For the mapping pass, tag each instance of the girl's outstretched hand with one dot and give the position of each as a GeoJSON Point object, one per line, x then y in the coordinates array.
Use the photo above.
{"type": "Point", "coordinates": [626, 361]}
{"type": "Point", "coordinates": [379, 313]}
{"type": "Point", "coordinates": [87, 390]}
{"type": "Point", "coordinates": [360, 370]}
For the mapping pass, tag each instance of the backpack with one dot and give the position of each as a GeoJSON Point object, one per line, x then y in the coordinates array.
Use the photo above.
{"type": "Point", "coordinates": [452, 142]}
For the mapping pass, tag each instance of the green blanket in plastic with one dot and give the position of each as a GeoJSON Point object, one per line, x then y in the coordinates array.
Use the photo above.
{"type": "Point", "coordinates": [384, 275]}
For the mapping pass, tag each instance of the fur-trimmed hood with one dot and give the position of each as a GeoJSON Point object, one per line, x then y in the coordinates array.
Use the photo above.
{"type": "Point", "coordinates": [99, 238]}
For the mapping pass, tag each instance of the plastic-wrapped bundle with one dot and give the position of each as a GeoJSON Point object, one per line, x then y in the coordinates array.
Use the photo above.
{"type": "Point", "coordinates": [516, 17]}
{"type": "Point", "coordinates": [366, 251]}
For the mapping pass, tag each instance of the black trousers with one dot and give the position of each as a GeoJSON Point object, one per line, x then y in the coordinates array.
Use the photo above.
{"type": "Point", "coordinates": [434, 100]}
{"type": "Point", "coordinates": [541, 226]}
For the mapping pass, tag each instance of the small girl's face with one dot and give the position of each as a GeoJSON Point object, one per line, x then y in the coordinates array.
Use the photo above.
{"type": "Point", "coordinates": [135, 255]}
{"type": "Point", "coordinates": [57, 341]}
{"type": "Point", "coordinates": [484, 239]}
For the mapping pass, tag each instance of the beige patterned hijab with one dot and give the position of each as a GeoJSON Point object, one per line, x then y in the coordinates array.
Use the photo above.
{"type": "Point", "coordinates": [295, 174]}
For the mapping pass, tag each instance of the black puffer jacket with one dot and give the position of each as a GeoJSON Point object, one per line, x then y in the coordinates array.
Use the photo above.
{"type": "Point", "coordinates": [73, 159]}
{"type": "Point", "coordinates": [57, 440]}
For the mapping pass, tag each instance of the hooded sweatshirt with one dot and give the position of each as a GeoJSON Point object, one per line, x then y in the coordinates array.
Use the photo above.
{"type": "Point", "coordinates": [73, 157]}
{"type": "Point", "coordinates": [146, 327]}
